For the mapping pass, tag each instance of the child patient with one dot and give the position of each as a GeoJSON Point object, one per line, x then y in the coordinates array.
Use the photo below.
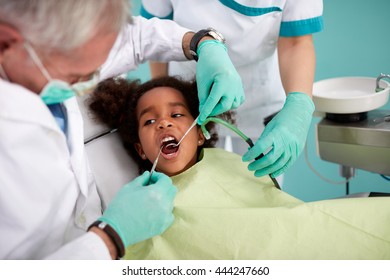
{"type": "Point", "coordinates": [221, 210]}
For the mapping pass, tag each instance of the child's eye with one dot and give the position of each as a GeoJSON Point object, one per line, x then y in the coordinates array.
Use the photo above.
{"type": "Point", "coordinates": [177, 115]}
{"type": "Point", "coordinates": [148, 122]}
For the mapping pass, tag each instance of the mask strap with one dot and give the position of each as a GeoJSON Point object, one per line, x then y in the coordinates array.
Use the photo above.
{"type": "Point", "coordinates": [37, 61]}
{"type": "Point", "coordinates": [3, 74]}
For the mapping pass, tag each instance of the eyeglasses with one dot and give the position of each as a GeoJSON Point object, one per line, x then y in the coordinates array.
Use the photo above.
{"type": "Point", "coordinates": [84, 86]}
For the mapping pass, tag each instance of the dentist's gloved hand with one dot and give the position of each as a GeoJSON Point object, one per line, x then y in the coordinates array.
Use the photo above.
{"type": "Point", "coordinates": [219, 85]}
{"type": "Point", "coordinates": [286, 134]}
{"type": "Point", "coordinates": [140, 211]}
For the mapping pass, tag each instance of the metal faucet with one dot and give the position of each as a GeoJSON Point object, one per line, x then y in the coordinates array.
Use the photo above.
{"type": "Point", "coordinates": [380, 77]}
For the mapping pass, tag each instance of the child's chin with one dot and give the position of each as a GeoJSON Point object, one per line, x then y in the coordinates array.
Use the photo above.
{"type": "Point", "coordinates": [172, 171]}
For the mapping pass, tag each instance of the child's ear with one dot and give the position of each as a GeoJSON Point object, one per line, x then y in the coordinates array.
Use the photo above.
{"type": "Point", "coordinates": [201, 137]}
{"type": "Point", "coordinates": [139, 150]}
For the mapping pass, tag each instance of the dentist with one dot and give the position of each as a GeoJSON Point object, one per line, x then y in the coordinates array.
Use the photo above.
{"type": "Point", "coordinates": [51, 51]}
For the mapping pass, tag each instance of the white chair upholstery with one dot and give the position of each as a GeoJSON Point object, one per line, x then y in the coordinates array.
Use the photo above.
{"type": "Point", "coordinates": [111, 166]}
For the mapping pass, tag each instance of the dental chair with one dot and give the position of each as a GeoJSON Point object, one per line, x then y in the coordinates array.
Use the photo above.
{"type": "Point", "coordinates": [111, 166]}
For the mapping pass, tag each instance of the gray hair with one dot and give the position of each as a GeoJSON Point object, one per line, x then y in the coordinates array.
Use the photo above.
{"type": "Point", "coordinates": [64, 25]}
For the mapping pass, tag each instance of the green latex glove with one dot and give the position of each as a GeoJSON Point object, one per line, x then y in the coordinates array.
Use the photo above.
{"type": "Point", "coordinates": [140, 211]}
{"type": "Point", "coordinates": [286, 134]}
{"type": "Point", "coordinates": [219, 85]}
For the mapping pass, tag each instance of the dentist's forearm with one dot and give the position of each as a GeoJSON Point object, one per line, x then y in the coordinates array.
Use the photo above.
{"type": "Point", "coordinates": [186, 43]}
{"type": "Point", "coordinates": [160, 69]}
{"type": "Point", "coordinates": [107, 240]}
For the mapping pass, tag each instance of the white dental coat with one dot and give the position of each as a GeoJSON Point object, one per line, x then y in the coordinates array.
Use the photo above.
{"type": "Point", "coordinates": [251, 29]}
{"type": "Point", "coordinates": [48, 196]}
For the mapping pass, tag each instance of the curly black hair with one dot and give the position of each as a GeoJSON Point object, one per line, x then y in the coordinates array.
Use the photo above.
{"type": "Point", "coordinates": [115, 100]}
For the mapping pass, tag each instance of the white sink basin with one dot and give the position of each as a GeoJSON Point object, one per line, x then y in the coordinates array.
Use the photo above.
{"type": "Point", "coordinates": [346, 95]}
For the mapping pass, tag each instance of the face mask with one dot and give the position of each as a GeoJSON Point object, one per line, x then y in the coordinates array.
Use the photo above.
{"type": "Point", "coordinates": [57, 91]}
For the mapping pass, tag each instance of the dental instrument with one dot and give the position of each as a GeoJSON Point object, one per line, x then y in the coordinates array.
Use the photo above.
{"type": "Point", "coordinates": [185, 134]}
{"type": "Point", "coordinates": [238, 132]}
{"type": "Point", "coordinates": [171, 146]}
{"type": "Point", "coordinates": [155, 163]}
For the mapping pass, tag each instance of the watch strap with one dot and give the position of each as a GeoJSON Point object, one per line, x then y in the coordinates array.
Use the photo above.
{"type": "Point", "coordinates": [112, 234]}
{"type": "Point", "coordinates": [199, 35]}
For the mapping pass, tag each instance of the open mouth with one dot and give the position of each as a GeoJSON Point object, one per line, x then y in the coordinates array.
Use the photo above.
{"type": "Point", "coordinates": [169, 145]}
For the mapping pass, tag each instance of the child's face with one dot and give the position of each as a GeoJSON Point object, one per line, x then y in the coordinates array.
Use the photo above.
{"type": "Point", "coordinates": [163, 117]}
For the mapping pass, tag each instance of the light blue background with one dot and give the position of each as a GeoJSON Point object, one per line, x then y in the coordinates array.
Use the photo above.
{"type": "Point", "coordinates": [355, 42]}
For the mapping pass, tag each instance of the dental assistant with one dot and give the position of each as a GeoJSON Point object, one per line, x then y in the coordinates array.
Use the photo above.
{"type": "Point", "coordinates": [49, 52]}
{"type": "Point", "coordinates": [270, 44]}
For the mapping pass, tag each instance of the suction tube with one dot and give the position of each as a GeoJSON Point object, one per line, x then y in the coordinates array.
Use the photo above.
{"type": "Point", "coordinates": [238, 132]}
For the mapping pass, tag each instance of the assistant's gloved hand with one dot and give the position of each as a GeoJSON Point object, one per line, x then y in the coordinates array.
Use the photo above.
{"type": "Point", "coordinates": [286, 133]}
{"type": "Point", "coordinates": [219, 85]}
{"type": "Point", "coordinates": [140, 211]}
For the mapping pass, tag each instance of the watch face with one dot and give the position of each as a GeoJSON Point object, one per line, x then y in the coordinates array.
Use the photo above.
{"type": "Point", "coordinates": [102, 225]}
{"type": "Point", "coordinates": [216, 35]}
{"type": "Point", "coordinates": [193, 53]}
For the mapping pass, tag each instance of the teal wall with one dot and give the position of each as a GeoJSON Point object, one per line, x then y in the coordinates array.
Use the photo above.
{"type": "Point", "coordinates": [355, 42]}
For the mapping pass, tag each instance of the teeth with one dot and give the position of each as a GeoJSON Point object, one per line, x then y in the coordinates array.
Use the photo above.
{"type": "Point", "coordinates": [166, 139]}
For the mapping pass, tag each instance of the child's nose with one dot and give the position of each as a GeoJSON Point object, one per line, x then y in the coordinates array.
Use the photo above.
{"type": "Point", "coordinates": [164, 124]}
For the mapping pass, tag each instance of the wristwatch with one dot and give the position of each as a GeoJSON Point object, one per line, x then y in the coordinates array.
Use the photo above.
{"type": "Point", "coordinates": [199, 35]}
{"type": "Point", "coordinates": [112, 234]}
